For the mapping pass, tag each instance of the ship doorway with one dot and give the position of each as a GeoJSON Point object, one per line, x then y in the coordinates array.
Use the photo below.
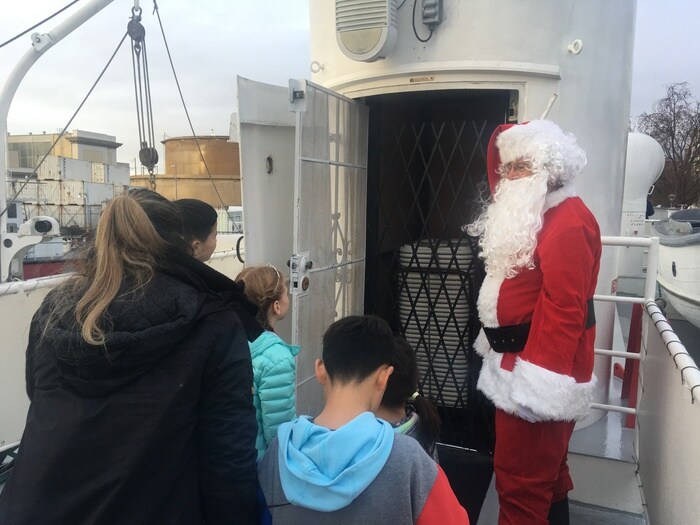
{"type": "Point", "coordinates": [427, 178]}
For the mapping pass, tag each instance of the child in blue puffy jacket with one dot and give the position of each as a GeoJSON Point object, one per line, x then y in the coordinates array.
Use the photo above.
{"type": "Point", "coordinates": [274, 366]}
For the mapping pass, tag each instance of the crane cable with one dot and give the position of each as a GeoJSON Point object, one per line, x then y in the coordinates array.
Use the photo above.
{"type": "Point", "coordinates": [38, 24]}
{"type": "Point", "coordinates": [148, 155]}
{"type": "Point", "coordinates": [65, 128]}
{"type": "Point", "coordinates": [189, 121]}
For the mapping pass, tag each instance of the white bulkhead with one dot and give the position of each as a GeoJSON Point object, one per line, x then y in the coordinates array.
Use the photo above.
{"type": "Point", "coordinates": [569, 59]}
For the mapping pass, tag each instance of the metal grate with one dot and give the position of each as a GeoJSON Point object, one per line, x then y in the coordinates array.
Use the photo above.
{"type": "Point", "coordinates": [434, 315]}
{"type": "Point", "coordinates": [435, 280]}
{"type": "Point", "coordinates": [427, 177]}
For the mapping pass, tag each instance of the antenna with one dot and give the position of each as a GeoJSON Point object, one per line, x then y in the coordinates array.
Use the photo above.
{"type": "Point", "coordinates": [549, 106]}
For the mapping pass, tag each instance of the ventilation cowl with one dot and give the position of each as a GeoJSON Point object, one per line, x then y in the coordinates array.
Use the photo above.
{"type": "Point", "coordinates": [365, 29]}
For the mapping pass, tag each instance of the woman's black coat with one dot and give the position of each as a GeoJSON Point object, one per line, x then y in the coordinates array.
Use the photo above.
{"type": "Point", "coordinates": [157, 425]}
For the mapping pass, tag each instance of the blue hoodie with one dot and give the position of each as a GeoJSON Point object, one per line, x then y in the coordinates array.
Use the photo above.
{"type": "Point", "coordinates": [326, 470]}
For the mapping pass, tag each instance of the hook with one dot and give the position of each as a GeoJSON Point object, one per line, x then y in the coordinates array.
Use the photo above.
{"type": "Point", "coordinates": [692, 394]}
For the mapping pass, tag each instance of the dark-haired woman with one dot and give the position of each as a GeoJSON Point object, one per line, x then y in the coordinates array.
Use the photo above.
{"type": "Point", "coordinates": [199, 221]}
{"type": "Point", "coordinates": [140, 379]}
{"type": "Point", "coordinates": [403, 406]}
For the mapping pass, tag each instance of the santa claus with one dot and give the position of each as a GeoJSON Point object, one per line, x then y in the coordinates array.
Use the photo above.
{"type": "Point", "coordinates": [541, 248]}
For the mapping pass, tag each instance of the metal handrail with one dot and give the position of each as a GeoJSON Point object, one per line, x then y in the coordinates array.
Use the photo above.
{"type": "Point", "coordinates": [16, 287]}
{"type": "Point", "coordinates": [690, 374]}
{"type": "Point", "coordinates": [649, 295]}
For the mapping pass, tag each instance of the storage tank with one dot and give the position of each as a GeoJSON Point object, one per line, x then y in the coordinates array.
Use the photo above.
{"type": "Point", "coordinates": [434, 99]}
{"type": "Point", "coordinates": [184, 166]}
{"type": "Point", "coordinates": [186, 175]}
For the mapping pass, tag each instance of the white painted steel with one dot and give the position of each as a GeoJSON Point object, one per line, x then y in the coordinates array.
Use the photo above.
{"type": "Point", "coordinates": [266, 129]}
{"type": "Point", "coordinates": [297, 188]}
{"type": "Point", "coordinates": [329, 223]}
{"type": "Point", "coordinates": [682, 290]}
{"type": "Point", "coordinates": [608, 240]}
{"type": "Point", "coordinates": [652, 269]}
{"type": "Point", "coordinates": [668, 424]}
{"type": "Point", "coordinates": [650, 286]}
{"type": "Point", "coordinates": [644, 163]}
{"type": "Point", "coordinates": [618, 299]}
{"type": "Point", "coordinates": [25, 287]}
{"type": "Point", "coordinates": [614, 353]}
{"type": "Point", "coordinates": [614, 408]}
{"type": "Point", "coordinates": [574, 50]}
{"type": "Point", "coordinates": [514, 45]}
{"type": "Point", "coordinates": [18, 302]}
{"type": "Point", "coordinates": [227, 263]}
{"type": "Point", "coordinates": [689, 372]}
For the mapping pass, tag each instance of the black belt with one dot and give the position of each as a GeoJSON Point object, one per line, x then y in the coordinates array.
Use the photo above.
{"type": "Point", "coordinates": [512, 338]}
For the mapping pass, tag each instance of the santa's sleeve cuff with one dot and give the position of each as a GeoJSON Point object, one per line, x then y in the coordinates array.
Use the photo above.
{"type": "Point", "coordinates": [550, 395]}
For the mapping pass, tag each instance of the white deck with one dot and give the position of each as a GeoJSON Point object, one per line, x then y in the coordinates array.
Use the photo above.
{"type": "Point", "coordinates": [604, 457]}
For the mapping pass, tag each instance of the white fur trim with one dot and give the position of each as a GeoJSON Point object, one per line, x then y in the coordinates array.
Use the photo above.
{"type": "Point", "coordinates": [555, 198]}
{"type": "Point", "coordinates": [481, 344]}
{"type": "Point", "coordinates": [546, 145]}
{"type": "Point", "coordinates": [488, 299]}
{"type": "Point", "coordinates": [526, 141]}
{"type": "Point", "coordinates": [497, 383]}
{"type": "Point", "coordinates": [550, 395]}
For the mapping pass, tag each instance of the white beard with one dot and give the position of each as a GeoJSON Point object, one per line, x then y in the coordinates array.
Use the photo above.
{"type": "Point", "coordinates": [510, 224]}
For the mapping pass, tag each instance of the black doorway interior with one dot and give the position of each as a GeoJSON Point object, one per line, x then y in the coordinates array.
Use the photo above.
{"type": "Point", "coordinates": [427, 178]}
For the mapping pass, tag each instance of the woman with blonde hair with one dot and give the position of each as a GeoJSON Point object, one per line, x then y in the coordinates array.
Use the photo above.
{"type": "Point", "coordinates": [140, 382]}
{"type": "Point", "coordinates": [274, 366]}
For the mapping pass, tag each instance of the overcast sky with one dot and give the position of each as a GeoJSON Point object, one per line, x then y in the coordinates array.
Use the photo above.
{"type": "Point", "coordinates": [212, 41]}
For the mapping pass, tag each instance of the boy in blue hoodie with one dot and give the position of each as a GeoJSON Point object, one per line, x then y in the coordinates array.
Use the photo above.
{"type": "Point", "coordinates": [346, 466]}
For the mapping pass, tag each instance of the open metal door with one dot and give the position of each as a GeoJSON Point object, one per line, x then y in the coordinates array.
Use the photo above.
{"type": "Point", "coordinates": [330, 194]}
{"type": "Point", "coordinates": [265, 133]}
{"type": "Point", "coordinates": [303, 153]}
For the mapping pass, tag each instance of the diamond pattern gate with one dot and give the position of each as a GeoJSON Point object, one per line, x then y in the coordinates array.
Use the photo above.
{"type": "Point", "coordinates": [426, 178]}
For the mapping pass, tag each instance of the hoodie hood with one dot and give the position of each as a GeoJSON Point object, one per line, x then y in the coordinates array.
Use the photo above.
{"type": "Point", "coordinates": [140, 326]}
{"type": "Point", "coordinates": [267, 340]}
{"type": "Point", "coordinates": [325, 470]}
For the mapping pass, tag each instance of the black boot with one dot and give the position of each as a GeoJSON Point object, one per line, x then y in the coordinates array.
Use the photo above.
{"type": "Point", "coordinates": [559, 512]}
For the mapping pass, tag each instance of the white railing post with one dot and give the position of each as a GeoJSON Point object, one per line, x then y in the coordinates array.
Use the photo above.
{"type": "Point", "coordinates": [652, 269]}
{"type": "Point", "coordinates": [652, 243]}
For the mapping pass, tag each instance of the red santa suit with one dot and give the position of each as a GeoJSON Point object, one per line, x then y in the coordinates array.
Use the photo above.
{"type": "Point", "coordinates": [547, 384]}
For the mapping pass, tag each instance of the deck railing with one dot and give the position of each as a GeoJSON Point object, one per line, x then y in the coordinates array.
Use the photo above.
{"type": "Point", "coordinates": [666, 454]}
{"type": "Point", "coordinates": [652, 243]}
{"type": "Point", "coordinates": [690, 374]}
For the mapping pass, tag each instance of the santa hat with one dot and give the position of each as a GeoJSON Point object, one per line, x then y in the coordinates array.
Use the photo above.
{"type": "Point", "coordinates": [540, 141]}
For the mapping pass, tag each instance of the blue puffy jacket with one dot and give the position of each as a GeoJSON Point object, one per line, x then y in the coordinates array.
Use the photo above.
{"type": "Point", "coordinates": [274, 378]}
